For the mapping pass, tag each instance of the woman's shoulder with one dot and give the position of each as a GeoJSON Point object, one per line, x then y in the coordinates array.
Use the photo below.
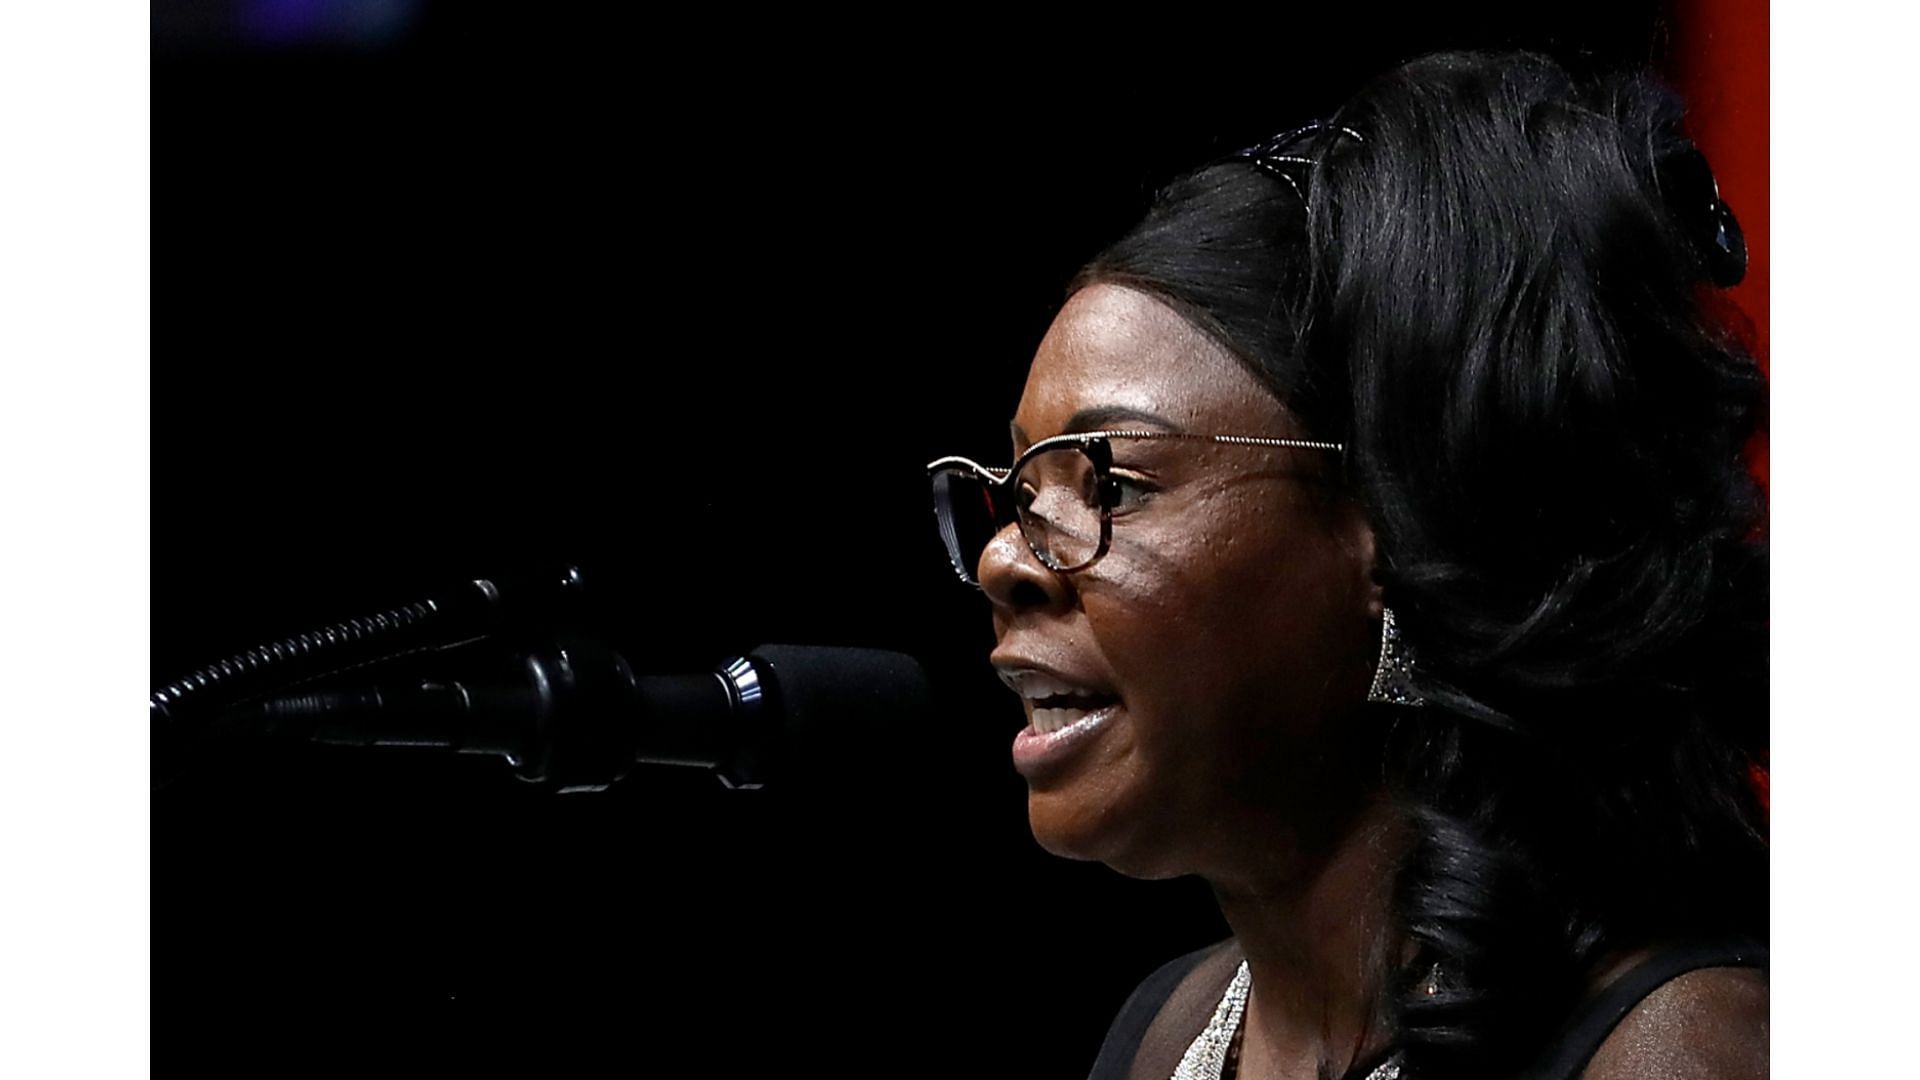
{"type": "Point", "coordinates": [1704, 1024]}
{"type": "Point", "coordinates": [1692, 1011]}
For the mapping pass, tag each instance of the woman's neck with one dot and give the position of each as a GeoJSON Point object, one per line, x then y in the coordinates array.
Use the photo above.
{"type": "Point", "coordinates": [1315, 944]}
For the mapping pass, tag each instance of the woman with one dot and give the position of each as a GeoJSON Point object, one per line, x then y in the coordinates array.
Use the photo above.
{"type": "Point", "coordinates": [1380, 550]}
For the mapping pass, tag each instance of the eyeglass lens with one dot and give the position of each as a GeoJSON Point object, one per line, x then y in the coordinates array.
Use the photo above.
{"type": "Point", "coordinates": [1056, 499]}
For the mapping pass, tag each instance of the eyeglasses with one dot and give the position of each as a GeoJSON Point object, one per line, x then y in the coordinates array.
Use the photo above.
{"type": "Point", "coordinates": [1062, 492]}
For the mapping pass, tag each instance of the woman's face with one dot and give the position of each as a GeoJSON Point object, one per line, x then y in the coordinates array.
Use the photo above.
{"type": "Point", "coordinates": [1228, 632]}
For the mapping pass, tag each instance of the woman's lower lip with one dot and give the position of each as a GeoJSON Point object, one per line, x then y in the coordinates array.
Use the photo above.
{"type": "Point", "coordinates": [1035, 754]}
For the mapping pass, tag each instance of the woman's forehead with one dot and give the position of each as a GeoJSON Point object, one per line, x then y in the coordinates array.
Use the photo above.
{"type": "Point", "coordinates": [1118, 350]}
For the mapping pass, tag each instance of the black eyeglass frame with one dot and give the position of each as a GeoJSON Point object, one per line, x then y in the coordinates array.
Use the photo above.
{"type": "Point", "coordinates": [1095, 445]}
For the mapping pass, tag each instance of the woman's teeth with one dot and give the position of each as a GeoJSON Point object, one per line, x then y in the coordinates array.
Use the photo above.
{"type": "Point", "coordinates": [1056, 703]}
{"type": "Point", "coordinates": [1057, 713]}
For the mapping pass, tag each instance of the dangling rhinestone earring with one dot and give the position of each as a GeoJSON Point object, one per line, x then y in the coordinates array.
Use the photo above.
{"type": "Point", "coordinates": [1393, 674]}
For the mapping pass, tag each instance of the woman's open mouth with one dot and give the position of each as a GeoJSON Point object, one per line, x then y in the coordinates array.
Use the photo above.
{"type": "Point", "coordinates": [1051, 714]}
{"type": "Point", "coordinates": [1061, 728]}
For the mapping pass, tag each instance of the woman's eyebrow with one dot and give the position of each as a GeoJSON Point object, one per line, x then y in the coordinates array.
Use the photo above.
{"type": "Point", "coordinates": [1103, 418]}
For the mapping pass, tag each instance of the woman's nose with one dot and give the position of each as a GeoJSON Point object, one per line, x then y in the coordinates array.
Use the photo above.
{"type": "Point", "coordinates": [1014, 578]}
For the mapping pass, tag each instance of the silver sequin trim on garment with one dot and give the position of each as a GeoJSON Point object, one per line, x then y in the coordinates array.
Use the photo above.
{"type": "Point", "coordinates": [1207, 1056]}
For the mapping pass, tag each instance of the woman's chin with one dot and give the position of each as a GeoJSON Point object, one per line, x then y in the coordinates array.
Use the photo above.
{"type": "Point", "coordinates": [1065, 826]}
{"type": "Point", "coordinates": [1076, 831]}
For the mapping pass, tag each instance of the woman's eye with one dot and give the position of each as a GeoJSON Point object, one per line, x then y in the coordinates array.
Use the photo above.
{"type": "Point", "coordinates": [1127, 492]}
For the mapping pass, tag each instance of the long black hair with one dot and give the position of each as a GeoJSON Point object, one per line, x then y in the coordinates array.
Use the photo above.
{"type": "Point", "coordinates": [1488, 285]}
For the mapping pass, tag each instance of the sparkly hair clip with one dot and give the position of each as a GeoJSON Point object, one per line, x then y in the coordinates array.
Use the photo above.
{"type": "Point", "coordinates": [1275, 155]}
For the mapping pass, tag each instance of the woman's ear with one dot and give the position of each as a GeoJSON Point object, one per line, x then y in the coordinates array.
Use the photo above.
{"type": "Point", "coordinates": [1358, 539]}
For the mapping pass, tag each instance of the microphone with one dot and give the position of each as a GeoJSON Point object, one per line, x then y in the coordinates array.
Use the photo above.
{"type": "Point", "coordinates": [572, 714]}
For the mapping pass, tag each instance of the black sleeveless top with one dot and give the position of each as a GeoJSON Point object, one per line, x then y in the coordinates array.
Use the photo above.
{"type": "Point", "coordinates": [1567, 1053]}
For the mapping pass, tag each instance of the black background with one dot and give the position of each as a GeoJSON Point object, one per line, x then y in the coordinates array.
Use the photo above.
{"type": "Point", "coordinates": [690, 308]}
